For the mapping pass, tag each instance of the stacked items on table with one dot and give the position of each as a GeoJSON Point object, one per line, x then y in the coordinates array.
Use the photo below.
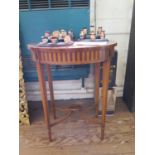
{"type": "Point", "coordinates": [64, 36]}
{"type": "Point", "coordinates": [92, 35]}
{"type": "Point", "coordinates": [57, 36]}
{"type": "Point", "coordinates": [86, 37]}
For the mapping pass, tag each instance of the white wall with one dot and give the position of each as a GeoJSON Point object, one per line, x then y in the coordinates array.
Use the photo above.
{"type": "Point", "coordinates": [115, 17]}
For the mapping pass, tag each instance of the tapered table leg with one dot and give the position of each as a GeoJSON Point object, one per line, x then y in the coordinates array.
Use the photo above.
{"type": "Point", "coordinates": [97, 79]}
{"type": "Point", "coordinates": [50, 83]}
{"type": "Point", "coordinates": [44, 98]}
{"type": "Point", "coordinates": [105, 84]}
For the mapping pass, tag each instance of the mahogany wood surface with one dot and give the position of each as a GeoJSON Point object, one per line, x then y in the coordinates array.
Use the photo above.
{"type": "Point", "coordinates": [73, 55]}
{"type": "Point", "coordinates": [44, 97]}
{"type": "Point", "coordinates": [105, 83]}
{"type": "Point", "coordinates": [66, 55]}
{"type": "Point", "coordinates": [50, 83]}
{"type": "Point", "coordinates": [97, 79]}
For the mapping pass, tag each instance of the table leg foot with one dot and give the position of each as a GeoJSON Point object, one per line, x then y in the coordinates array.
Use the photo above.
{"type": "Point", "coordinates": [102, 133]}
{"type": "Point", "coordinates": [49, 134]}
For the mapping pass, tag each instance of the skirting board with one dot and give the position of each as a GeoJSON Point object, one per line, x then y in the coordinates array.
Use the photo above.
{"type": "Point", "coordinates": [77, 94]}
{"type": "Point", "coordinates": [67, 94]}
{"type": "Point", "coordinates": [73, 90]}
{"type": "Point", "coordinates": [70, 89]}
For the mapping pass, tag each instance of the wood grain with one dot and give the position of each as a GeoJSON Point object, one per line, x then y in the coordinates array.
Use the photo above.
{"type": "Point", "coordinates": [50, 83]}
{"type": "Point", "coordinates": [105, 83]}
{"type": "Point", "coordinates": [97, 79]}
{"type": "Point", "coordinates": [44, 97]}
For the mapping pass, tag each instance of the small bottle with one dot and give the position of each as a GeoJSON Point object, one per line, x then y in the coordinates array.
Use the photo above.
{"type": "Point", "coordinates": [92, 28]}
{"type": "Point", "coordinates": [92, 35]}
{"type": "Point", "coordinates": [56, 34]}
{"type": "Point", "coordinates": [102, 35]}
{"type": "Point", "coordinates": [44, 40]}
{"type": "Point", "coordinates": [47, 34]}
{"type": "Point", "coordinates": [99, 30]}
{"type": "Point", "coordinates": [82, 34]}
{"type": "Point", "coordinates": [67, 39]}
{"type": "Point", "coordinates": [85, 30]}
{"type": "Point", "coordinates": [70, 33]}
{"type": "Point", "coordinates": [61, 39]}
{"type": "Point", "coordinates": [64, 33]}
{"type": "Point", "coordinates": [54, 40]}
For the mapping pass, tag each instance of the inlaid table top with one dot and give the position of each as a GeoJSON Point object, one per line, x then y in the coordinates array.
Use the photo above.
{"type": "Point", "coordinates": [79, 52]}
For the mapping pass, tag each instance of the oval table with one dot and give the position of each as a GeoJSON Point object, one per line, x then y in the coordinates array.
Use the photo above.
{"type": "Point", "coordinates": [75, 54]}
